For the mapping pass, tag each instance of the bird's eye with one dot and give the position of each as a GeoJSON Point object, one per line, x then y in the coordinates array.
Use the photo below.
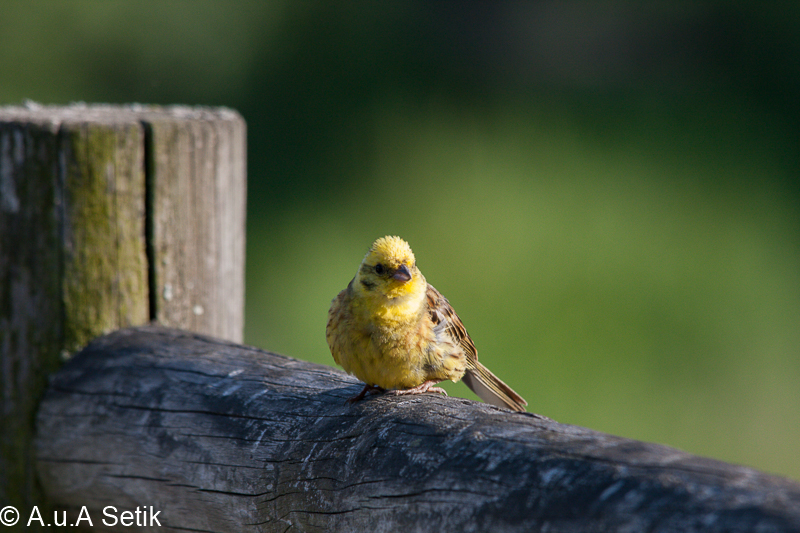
{"type": "Point", "coordinates": [379, 269]}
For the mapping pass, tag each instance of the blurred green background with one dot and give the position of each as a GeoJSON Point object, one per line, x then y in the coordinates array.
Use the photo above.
{"type": "Point", "coordinates": [607, 193]}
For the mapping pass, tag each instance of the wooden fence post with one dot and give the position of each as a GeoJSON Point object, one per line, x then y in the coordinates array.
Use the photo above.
{"type": "Point", "coordinates": [110, 216]}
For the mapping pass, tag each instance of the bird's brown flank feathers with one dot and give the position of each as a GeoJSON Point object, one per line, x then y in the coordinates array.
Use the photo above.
{"type": "Point", "coordinates": [477, 377]}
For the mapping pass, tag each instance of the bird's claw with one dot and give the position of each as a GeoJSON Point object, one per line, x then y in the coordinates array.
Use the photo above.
{"type": "Point", "coordinates": [366, 390]}
{"type": "Point", "coordinates": [428, 386]}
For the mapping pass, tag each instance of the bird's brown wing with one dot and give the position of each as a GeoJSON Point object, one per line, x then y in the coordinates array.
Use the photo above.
{"type": "Point", "coordinates": [480, 379]}
{"type": "Point", "coordinates": [338, 314]}
{"type": "Point", "coordinates": [441, 312]}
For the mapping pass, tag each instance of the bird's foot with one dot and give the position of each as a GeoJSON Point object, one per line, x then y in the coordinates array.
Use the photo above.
{"type": "Point", "coordinates": [428, 386]}
{"type": "Point", "coordinates": [366, 390]}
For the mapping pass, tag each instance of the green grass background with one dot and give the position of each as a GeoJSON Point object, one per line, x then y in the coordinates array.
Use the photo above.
{"type": "Point", "coordinates": [607, 193]}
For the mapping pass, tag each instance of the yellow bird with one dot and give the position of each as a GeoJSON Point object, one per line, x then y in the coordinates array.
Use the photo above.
{"type": "Point", "coordinates": [395, 332]}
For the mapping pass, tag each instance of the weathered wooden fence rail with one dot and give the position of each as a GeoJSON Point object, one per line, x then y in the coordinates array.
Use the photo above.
{"type": "Point", "coordinates": [219, 437]}
{"type": "Point", "coordinates": [110, 216]}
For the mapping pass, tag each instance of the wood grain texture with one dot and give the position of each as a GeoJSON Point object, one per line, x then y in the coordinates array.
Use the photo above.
{"type": "Point", "coordinates": [220, 437]}
{"type": "Point", "coordinates": [30, 289]}
{"type": "Point", "coordinates": [198, 179]}
{"type": "Point", "coordinates": [74, 215]}
{"type": "Point", "coordinates": [72, 249]}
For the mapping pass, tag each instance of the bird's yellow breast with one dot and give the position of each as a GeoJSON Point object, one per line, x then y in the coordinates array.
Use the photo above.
{"type": "Point", "coordinates": [389, 344]}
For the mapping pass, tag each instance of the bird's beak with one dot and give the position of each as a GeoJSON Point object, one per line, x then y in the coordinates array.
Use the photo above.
{"type": "Point", "coordinates": [402, 274]}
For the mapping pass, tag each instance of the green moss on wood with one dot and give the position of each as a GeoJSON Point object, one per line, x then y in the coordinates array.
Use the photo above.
{"type": "Point", "coordinates": [105, 271]}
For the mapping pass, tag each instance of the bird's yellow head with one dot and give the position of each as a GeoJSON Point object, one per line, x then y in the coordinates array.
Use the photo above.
{"type": "Point", "coordinates": [389, 269]}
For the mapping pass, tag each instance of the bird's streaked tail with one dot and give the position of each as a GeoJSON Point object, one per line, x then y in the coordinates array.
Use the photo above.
{"type": "Point", "coordinates": [491, 389]}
